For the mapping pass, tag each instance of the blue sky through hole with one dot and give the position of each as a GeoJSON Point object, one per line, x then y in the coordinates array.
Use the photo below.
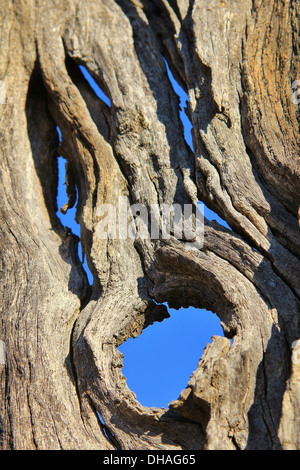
{"type": "Point", "coordinates": [94, 85]}
{"type": "Point", "coordinates": [183, 100]}
{"type": "Point", "coordinates": [68, 219]}
{"type": "Point", "coordinates": [187, 126]}
{"type": "Point", "coordinates": [159, 363]}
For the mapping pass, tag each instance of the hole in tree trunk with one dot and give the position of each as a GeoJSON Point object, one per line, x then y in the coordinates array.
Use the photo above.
{"type": "Point", "coordinates": [187, 127]}
{"type": "Point", "coordinates": [68, 219]}
{"type": "Point", "coordinates": [158, 363]}
{"type": "Point", "coordinates": [96, 88]}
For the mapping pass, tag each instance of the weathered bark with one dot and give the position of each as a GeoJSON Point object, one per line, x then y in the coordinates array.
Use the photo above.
{"type": "Point", "coordinates": [237, 61]}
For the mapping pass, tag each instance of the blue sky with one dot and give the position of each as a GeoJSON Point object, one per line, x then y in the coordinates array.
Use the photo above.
{"type": "Point", "coordinates": [159, 362]}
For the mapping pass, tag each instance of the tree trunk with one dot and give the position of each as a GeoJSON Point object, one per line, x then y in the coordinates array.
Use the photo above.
{"type": "Point", "coordinates": [60, 367]}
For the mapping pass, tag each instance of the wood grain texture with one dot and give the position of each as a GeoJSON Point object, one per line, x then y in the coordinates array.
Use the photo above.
{"type": "Point", "coordinates": [237, 62]}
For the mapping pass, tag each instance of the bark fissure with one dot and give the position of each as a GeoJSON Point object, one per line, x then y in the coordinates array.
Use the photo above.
{"type": "Point", "coordinates": [108, 434]}
{"type": "Point", "coordinates": [62, 385]}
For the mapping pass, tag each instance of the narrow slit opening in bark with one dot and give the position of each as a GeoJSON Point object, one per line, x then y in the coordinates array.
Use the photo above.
{"type": "Point", "coordinates": [211, 215]}
{"type": "Point", "coordinates": [68, 219]}
{"type": "Point", "coordinates": [159, 362]}
{"type": "Point", "coordinates": [96, 88]}
{"type": "Point", "coordinates": [107, 433]}
{"type": "Point", "coordinates": [183, 100]}
{"type": "Point", "coordinates": [187, 129]}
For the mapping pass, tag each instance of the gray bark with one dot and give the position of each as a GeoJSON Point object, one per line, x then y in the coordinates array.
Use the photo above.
{"type": "Point", "coordinates": [237, 61]}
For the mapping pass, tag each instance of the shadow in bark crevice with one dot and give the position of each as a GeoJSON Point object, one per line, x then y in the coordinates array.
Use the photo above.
{"type": "Point", "coordinates": [44, 141]}
{"type": "Point", "coordinates": [265, 413]}
{"type": "Point", "coordinates": [180, 155]}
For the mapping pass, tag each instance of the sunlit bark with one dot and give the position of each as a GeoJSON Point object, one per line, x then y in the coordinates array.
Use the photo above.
{"type": "Point", "coordinates": [61, 369]}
